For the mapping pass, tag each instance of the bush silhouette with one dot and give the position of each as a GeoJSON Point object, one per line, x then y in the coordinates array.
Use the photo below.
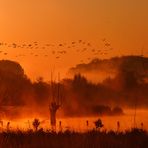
{"type": "Point", "coordinates": [98, 124]}
{"type": "Point", "coordinates": [36, 124]}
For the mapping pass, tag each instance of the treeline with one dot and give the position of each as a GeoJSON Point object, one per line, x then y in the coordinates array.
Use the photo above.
{"type": "Point", "coordinates": [79, 96]}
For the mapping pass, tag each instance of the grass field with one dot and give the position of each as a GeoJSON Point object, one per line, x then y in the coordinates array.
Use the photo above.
{"type": "Point", "coordinates": [93, 139]}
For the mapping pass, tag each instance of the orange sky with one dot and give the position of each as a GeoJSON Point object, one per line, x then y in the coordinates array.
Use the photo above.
{"type": "Point", "coordinates": [123, 23]}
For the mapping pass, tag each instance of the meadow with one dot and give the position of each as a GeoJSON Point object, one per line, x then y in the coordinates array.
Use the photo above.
{"type": "Point", "coordinates": [135, 138]}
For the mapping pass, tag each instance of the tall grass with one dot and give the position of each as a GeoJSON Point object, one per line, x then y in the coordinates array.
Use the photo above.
{"type": "Point", "coordinates": [135, 138]}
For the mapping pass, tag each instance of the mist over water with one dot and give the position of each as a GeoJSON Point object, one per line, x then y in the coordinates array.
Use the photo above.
{"type": "Point", "coordinates": [81, 99]}
{"type": "Point", "coordinates": [79, 123]}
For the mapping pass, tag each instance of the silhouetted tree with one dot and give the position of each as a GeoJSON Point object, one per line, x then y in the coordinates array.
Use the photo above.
{"type": "Point", "coordinates": [36, 124]}
{"type": "Point", "coordinates": [98, 124]}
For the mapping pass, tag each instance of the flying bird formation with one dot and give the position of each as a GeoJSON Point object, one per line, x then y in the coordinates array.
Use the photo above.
{"type": "Point", "coordinates": [58, 50]}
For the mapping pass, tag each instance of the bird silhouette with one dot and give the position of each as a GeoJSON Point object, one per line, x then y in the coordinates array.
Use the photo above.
{"type": "Point", "coordinates": [53, 52]}
{"type": "Point", "coordinates": [80, 41]}
{"type": "Point", "coordinates": [93, 50]}
{"type": "Point", "coordinates": [84, 49]}
{"type": "Point", "coordinates": [60, 45]}
{"type": "Point", "coordinates": [104, 39]}
{"type": "Point", "coordinates": [88, 44]}
{"type": "Point", "coordinates": [107, 44]}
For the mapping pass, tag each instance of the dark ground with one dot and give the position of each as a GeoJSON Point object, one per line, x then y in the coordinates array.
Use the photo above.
{"type": "Point", "coordinates": [130, 139]}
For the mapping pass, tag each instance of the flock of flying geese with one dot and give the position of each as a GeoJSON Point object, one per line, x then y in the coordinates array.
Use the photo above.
{"type": "Point", "coordinates": [57, 50]}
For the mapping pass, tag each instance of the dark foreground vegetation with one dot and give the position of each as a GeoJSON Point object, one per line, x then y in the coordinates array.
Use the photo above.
{"type": "Point", "coordinates": [135, 138]}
